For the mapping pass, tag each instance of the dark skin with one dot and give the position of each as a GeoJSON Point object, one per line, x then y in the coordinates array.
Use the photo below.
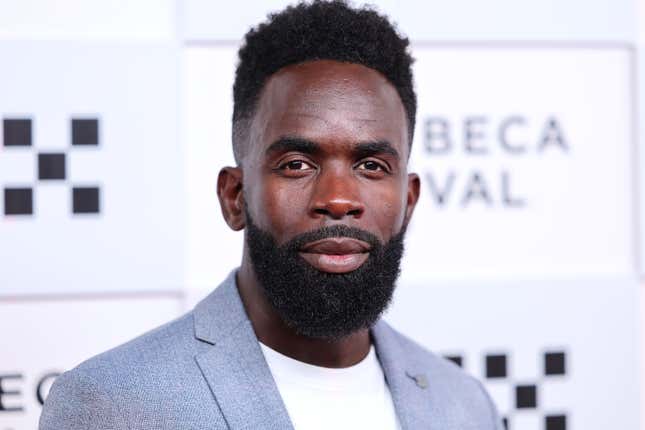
{"type": "Point", "coordinates": [328, 144]}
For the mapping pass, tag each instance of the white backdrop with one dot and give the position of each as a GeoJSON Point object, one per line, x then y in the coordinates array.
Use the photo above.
{"type": "Point", "coordinates": [533, 250]}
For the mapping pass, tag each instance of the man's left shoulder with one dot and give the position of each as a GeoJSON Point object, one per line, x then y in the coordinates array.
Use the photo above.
{"type": "Point", "coordinates": [457, 393]}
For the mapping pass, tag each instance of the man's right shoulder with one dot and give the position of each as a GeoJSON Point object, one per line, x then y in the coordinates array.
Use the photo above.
{"type": "Point", "coordinates": [160, 348]}
{"type": "Point", "coordinates": [106, 390]}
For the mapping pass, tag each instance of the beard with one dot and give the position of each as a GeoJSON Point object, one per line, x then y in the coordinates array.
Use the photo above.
{"type": "Point", "coordinates": [318, 304]}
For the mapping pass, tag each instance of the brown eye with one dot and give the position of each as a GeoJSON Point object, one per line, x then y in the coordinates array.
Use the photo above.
{"type": "Point", "coordinates": [370, 165]}
{"type": "Point", "coordinates": [295, 165]}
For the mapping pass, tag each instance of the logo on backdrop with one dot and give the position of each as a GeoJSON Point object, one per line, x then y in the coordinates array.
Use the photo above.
{"type": "Point", "coordinates": [525, 393]}
{"type": "Point", "coordinates": [476, 138]}
{"type": "Point", "coordinates": [51, 166]}
{"type": "Point", "coordinates": [12, 390]}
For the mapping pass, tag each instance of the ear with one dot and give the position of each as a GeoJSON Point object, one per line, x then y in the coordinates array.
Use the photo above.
{"type": "Point", "coordinates": [231, 197]}
{"type": "Point", "coordinates": [414, 188]}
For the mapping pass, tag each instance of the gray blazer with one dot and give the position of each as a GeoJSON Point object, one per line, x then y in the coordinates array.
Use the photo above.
{"type": "Point", "coordinates": [205, 370]}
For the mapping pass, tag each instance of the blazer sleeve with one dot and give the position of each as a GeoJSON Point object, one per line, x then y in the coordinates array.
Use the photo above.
{"type": "Point", "coordinates": [77, 402]}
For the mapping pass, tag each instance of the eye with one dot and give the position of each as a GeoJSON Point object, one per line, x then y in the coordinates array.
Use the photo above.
{"type": "Point", "coordinates": [371, 165]}
{"type": "Point", "coordinates": [295, 165]}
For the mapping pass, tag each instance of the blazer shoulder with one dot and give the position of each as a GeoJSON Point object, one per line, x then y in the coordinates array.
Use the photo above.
{"type": "Point", "coordinates": [77, 401]}
{"type": "Point", "coordinates": [97, 390]}
{"type": "Point", "coordinates": [149, 350]}
{"type": "Point", "coordinates": [448, 383]}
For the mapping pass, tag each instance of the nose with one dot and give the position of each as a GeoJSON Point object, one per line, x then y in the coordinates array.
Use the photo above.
{"type": "Point", "coordinates": [336, 196]}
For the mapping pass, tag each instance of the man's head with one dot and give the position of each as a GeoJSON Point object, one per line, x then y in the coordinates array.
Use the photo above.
{"type": "Point", "coordinates": [319, 30]}
{"type": "Point", "coordinates": [324, 113]}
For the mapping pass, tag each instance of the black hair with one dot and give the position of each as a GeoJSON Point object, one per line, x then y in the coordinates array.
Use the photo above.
{"type": "Point", "coordinates": [319, 30]}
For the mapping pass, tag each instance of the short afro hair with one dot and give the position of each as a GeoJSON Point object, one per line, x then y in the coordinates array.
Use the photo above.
{"type": "Point", "coordinates": [320, 30]}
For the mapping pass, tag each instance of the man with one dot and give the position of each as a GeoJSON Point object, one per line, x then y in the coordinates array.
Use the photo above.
{"type": "Point", "coordinates": [324, 112]}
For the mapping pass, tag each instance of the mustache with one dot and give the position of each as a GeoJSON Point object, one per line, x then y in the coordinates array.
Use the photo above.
{"type": "Point", "coordinates": [339, 230]}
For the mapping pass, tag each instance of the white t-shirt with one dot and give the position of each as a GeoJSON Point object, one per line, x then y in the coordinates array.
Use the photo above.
{"type": "Point", "coordinates": [355, 397]}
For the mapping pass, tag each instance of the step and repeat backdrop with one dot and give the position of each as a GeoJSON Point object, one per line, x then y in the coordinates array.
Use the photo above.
{"type": "Point", "coordinates": [523, 260]}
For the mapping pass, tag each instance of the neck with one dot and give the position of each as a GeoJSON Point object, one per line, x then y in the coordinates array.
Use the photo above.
{"type": "Point", "coordinates": [274, 333]}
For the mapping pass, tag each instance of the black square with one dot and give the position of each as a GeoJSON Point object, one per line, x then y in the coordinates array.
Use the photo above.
{"type": "Point", "coordinates": [457, 359]}
{"type": "Point", "coordinates": [85, 131]}
{"type": "Point", "coordinates": [51, 166]}
{"type": "Point", "coordinates": [525, 396]}
{"type": "Point", "coordinates": [554, 363]}
{"type": "Point", "coordinates": [496, 366]}
{"type": "Point", "coordinates": [18, 201]}
{"type": "Point", "coordinates": [17, 132]}
{"type": "Point", "coordinates": [85, 200]}
{"type": "Point", "coordinates": [555, 422]}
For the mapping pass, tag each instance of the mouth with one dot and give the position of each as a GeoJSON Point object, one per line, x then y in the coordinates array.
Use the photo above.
{"type": "Point", "coordinates": [336, 255]}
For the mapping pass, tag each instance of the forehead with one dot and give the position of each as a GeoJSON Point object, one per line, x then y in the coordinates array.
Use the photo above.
{"type": "Point", "coordinates": [330, 102]}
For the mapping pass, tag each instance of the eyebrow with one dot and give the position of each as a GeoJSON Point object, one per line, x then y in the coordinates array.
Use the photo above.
{"type": "Point", "coordinates": [286, 144]}
{"type": "Point", "coordinates": [367, 149]}
{"type": "Point", "coordinates": [361, 149]}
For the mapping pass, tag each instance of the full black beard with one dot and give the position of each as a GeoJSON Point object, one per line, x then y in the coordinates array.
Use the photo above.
{"type": "Point", "coordinates": [318, 304]}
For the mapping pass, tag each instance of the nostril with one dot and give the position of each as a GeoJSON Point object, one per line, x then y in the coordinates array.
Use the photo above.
{"type": "Point", "coordinates": [337, 209]}
{"type": "Point", "coordinates": [338, 212]}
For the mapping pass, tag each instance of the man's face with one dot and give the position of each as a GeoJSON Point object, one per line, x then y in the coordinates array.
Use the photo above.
{"type": "Point", "coordinates": [327, 195]}
{"type": "Point", "coordinates": [329, 145]}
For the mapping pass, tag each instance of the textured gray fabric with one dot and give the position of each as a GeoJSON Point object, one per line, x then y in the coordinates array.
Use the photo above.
{"type": "Point", "coordinates": [206, 370]}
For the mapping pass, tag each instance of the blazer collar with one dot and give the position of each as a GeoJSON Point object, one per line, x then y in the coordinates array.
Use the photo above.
{"type": "Point", "coordinates": [217, 315]}
{"type": "Point", "coordinates": [409, 385]}
{"type": "Point", "coordinates": [234, 367]}
{"type": "Point", "coordinates": [241, 381]}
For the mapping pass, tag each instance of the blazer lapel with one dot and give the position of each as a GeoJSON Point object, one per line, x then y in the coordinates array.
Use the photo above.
{"type": "Point", "coordinates": [234, 366]}
{"type": "Point", "coordinates": [409, 386]}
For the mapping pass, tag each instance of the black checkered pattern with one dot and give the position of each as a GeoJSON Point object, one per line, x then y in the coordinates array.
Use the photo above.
{"type": "Point", "coordinates": [51, 166]}
{"type": "Point", "coordinates": [526, 395]}
{"type": "Point", "coordinates": [16, 132]}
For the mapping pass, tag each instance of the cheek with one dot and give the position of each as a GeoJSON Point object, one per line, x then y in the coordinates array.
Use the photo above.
{"type": "Point", "coordinates": [281, 207]}
{"type": "Point", "coordinates": [386, 206]}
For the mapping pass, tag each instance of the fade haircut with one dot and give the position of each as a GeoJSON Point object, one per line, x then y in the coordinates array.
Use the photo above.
{"type": "Point", "coordinates": [320, 30]}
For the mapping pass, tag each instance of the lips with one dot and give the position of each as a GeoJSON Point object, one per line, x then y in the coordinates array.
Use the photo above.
{"type": "Point", "coordinates": [336, 255]}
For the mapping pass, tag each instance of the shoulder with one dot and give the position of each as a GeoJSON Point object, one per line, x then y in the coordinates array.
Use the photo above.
{"type": "Point", "coordinates": [454, 391]}
{"type": "Point", "coordinates": [98, 392]}
{"type": "Point", "coordinates": [155, 351]}
{"type": "Point", "coordinates": [78, 401]}
{"type": "Point", "coordinates": [152, 380]}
